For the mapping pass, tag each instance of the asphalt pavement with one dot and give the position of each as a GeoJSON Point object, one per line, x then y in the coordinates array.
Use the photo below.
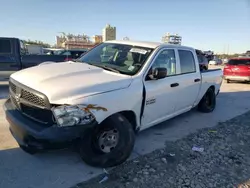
{"type": "Point", "coordinates": [64, 168]}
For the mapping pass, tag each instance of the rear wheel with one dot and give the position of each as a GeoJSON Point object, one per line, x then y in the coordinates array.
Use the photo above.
{"type": "Point", "coordinates": [208, 102]}
{"type": "Point", "coordinates": [228, 81]}
{"type": "Point", "coordinates": [108, 144]}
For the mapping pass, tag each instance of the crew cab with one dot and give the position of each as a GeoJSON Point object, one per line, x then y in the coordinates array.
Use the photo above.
{"type": "Point", "coordinates": [237, 69]}
{"type": "Point", "coordinates": [99, 102]}
{"type": "Point", "coordinates": [14, 56]}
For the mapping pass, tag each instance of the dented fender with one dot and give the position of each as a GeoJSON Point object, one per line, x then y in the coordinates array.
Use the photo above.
{"type": "Point", "coordinates": [104, 105]}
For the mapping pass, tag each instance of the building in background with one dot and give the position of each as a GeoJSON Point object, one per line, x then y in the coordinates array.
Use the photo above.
{"type": "Point", "coordinates": [70, 41]}
{"type": "Point", "coordinates": [109, 33]}
{"type": "Point", "coordinates": [97, 39]}
{"type": "Point", "coordinates": [172, 39]}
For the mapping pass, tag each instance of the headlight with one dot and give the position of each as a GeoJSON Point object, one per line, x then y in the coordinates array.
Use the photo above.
{"type": "Point", "coordinates": [72, 115]}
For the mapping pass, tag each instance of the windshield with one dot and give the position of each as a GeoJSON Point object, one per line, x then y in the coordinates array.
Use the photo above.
{"type": "Point", "coordinates": [239, 62]}
{"type": "Point", "coordinates": [125, 59]}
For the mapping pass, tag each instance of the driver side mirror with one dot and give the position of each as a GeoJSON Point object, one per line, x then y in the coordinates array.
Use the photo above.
{"type": "Point", "coordinates": [159, 73]}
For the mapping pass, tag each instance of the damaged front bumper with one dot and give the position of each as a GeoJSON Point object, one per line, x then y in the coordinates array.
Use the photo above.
{"type": "Point", "coordinates": [29, 133]}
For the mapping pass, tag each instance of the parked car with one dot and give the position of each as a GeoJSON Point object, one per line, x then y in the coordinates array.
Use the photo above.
{"type": "Point", "coordinates": [215, 61]}
{"type": "Point", "coordinates": [14, 56]}
{"type": "Point", "coordinates": [202, 60]}
{"type": "Point", "coordinates": [225, 61]}
{"type": "Point", "coordinates": [237, 69]}
{"type": "Point", "coordinates": [99, 104]}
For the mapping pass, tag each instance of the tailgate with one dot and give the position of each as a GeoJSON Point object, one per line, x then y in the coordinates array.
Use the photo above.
{"type": "Point", "coordinates": [238, 67]}
{"type": "Point", "coordinates": [240, 70]}
{"type": "Point", "coordinates": [212, 76]}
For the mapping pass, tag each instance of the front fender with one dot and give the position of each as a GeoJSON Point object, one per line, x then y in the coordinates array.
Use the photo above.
{"type": "Point", "coordinates": [106, 104]}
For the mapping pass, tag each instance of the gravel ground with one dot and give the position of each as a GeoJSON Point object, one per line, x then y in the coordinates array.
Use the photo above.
{"type": "Point", "coordinates": [225, 161]}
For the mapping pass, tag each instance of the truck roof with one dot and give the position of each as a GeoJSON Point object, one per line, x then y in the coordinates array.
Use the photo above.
{"type": "Point", "coordinates": [146, 44]}
{"type": "Point", "coordinates": [9, 38]}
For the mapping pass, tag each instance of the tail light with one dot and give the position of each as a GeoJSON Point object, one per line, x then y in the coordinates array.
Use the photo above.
{"type": "Point", "coordinates": [68, 59]}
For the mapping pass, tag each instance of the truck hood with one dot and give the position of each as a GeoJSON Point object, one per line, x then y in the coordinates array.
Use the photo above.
{"type": "Point", "coordinates": [64, 82]}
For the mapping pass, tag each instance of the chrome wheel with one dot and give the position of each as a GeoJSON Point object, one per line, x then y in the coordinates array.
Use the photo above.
{"type": "Point", "coordinates": [108, 140]}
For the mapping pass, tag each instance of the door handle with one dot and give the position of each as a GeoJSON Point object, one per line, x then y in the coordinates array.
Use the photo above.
{"type": "Point", "coordinates": [197, 80]}
{"type": "Point", "coordinates": [174, 85]}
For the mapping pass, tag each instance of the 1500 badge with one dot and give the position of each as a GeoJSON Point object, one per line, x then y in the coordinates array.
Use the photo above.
{"type": "Point", "coordinates": [150, 101]}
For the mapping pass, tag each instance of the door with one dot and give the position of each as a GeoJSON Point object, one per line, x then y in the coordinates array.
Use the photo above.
{"type": "Point", "coordinates": [9, 60]}
{"type": "Point", "coordinates": [189, 81]}
{"type": "Point", "coordinates": [161, 94]}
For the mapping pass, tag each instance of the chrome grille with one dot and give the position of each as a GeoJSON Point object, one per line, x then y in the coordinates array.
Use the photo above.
{"type": "Point", "coordinates": [12, 87]}
{"type": "Point", "coordinates": [13, 100]}
{"type": "Point", "coordinates": [32, 98]}
{"type": "Point", "coordinates": [31, 103]}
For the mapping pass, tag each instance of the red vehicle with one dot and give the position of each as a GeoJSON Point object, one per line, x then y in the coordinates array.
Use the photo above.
{"type": "Point", "coordinates": [237, 69]}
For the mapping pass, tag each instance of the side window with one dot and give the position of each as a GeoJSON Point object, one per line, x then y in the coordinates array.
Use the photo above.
{"type": "Point", "coordinates": [187, 62]}
{"type": "Point", "coordinates": [5, 46]}
{"type": "Point", "coordinates": [66, 53]}
{"type": "Point", "coordinates": [22, 48]}
{"type": "Point", "coordinates": [166, 59]}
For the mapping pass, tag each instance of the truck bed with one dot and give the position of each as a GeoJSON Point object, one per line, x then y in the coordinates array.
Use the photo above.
{"type": "Point", "coordinates": [209, 78]}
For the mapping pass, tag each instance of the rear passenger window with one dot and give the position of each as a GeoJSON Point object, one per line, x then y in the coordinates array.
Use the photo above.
{"type": "Point", "coordinates": [5, 46]}
{"type": "Point", "coordinates": [187, 62]}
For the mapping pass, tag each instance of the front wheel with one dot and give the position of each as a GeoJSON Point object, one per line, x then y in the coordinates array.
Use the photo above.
{"type": "Point", "coordinates": [108, 144]}
{"type": "Point", "coordinates": [208, 102]}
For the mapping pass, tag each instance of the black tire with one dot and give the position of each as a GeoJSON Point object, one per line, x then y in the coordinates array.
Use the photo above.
{"type": "Point", "coordinates": [228, 81]}
{"type": "Point", "coordinates": [208, 102]}
{"type": "Point", "coordinates": [28, 150]}
{"type": "Point", "coordinates": [92, 155]}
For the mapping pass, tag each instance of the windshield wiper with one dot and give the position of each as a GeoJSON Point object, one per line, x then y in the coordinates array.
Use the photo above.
{"type": "Point", "coordinates": [106, 67]}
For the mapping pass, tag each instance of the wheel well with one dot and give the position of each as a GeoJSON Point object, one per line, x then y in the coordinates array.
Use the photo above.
{"type": "Point", "coordinates": [131, 117]}
{"type": "Point", "coordinates": [212, 87]}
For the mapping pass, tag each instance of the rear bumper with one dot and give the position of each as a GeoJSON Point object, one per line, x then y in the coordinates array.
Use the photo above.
{"type": "Point", "coordinates": [237, 78]}
{"type": "Point", "coordinates": [29, 133]}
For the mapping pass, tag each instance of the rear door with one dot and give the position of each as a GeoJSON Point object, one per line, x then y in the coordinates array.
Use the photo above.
{"type": "Point", "coordinates": [239, 67]}
{"type": "Point", "coordinates": [189, 80]}
{"type": "Point", "coordinates": [9, 58]}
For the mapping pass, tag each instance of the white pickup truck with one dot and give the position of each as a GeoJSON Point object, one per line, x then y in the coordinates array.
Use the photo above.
{"type": "Point", "coordinates": [101, 101]}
